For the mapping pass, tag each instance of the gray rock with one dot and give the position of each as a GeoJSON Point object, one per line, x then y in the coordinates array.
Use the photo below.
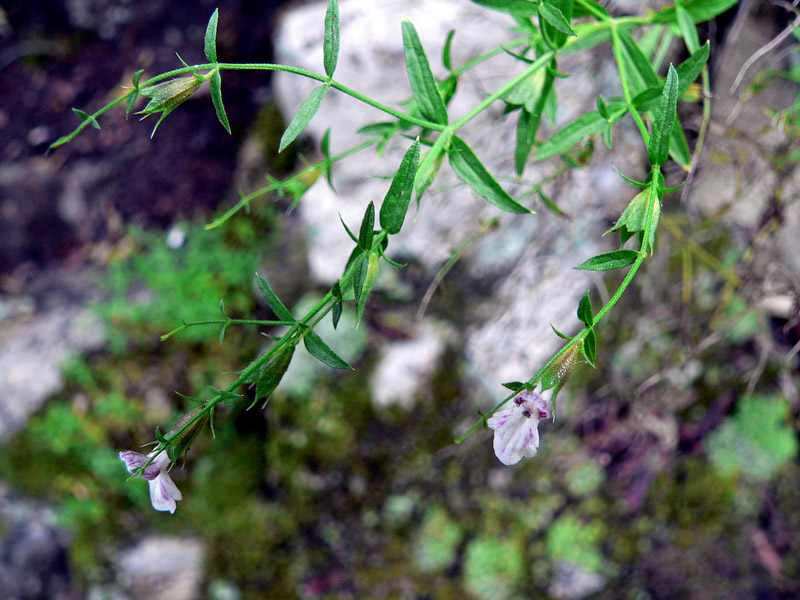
{"type": "Point", "coordinates": [572, 582]}
{"type": "Point", "coordinates": [160, 568]}
{"type": "Point", "coordinates": [33, 347]}
{"type": "Point", "coordinates": [33, 553]}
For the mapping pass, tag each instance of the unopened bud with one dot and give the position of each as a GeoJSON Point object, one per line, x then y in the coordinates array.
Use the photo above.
{"type": "Point", "coordinates": [167, 95]}
{"type": "Point", "coordinates": [183, 433]}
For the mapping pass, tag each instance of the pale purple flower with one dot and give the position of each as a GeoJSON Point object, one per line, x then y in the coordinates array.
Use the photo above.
{"type": "Point", "coordinates": [516, 433]}
{"type": "Point", "coordinates": [163, 491]}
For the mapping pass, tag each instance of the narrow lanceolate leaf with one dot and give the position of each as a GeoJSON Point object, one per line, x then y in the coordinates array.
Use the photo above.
{"type": "Point", "coordinates": [469, 168]}
{"type": "Point", "coordinates": [325, 147]}
{"type": "Point", "coordinates": [216, 97]}
{"type": "Point", "coordinates": [303, 117]}
{"type": "Point", "coordinates": [210, 42]}
{"type": "Point", "coordinates": [687, 28]}
{"type": "Point", "coordinates": [585, 313]}
{"type": "Point", "coordinates": [423, 85]}
{"type": "Point", "coordinates": [522, 8]}
{"type": "Point", "coordinates": [658, 148]}
{"type": "Point", "coordinates": [589, 348]}
{"type": "Point", "coordinates": [448, 42]}
{"type": "Point", "coordinates": [84, 116]}
{"type": "Point", "coordinates": [369, 279]}
{"type": "Point", "coordinates": [330, 43]}
{"type": "Point", "coordinates": [395, 204]}
{"type": "Point", "coordinates": [609, 261]}
{"type": "Point", "coordinates": [571, 134]}
{"type": "Point", "coordinates": [429, 164]}
{"type": "Point", "coordinates": [699, 10]}
{"type": "Point", "coordinates": [134, 94]}
{"type": "Point", "coordinates": [529, 122]}
{"type": "Point", "coordinates": [367, 231]}
{"type": "Point", "coordinates": [678, 146]}
{"type": "Point", "coordinates": [271, 373]}
{"type": "Point", "coordinates": [691, 68]}
{"type": "Point", "coordinates": [322, 352]}
{"type": "Point", "coordinates": [635, 64]}
{"type": "Point", "coordinates": [272, 300]}
{"type": "Point", "coordinates": [555, 17]}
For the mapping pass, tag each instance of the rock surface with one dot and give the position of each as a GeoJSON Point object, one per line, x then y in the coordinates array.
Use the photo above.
{"type": "Point", "coordinates": [160, 568]}
{"type": "Point", "coordinates": [37, 335]}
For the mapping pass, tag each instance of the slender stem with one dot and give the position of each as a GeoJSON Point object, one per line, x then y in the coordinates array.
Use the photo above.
{"type": "Point", "coordinates": [578, 337]}
{"type": "Point", "coordinates": [229, 322]}
{"type": "Point", "coordinates": [512, 83]}
{"type": "Point", "coordinates": [626, 90]}
{"type": "Point", "coordinates": [245, 200]}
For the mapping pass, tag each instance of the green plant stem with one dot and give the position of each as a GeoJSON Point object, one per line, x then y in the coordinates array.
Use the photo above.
{"type": "Point", "coordinates": [244, 201]}
{"type": "Point", "coordinates": [298, 330]}
{"type": "Point", "coordinates": [226, 321]}
{"type": "Point", "coordinates": [509, 85]}
{"type": "Point", "coordinates": [578, 337]}
{"type": "Point", "coordinates": [626, 89]}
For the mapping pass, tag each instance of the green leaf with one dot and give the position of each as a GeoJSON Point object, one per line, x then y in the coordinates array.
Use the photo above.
{"type": "Point", "coordinates": [216, 97]}
{"type": "Point", "coordinates": [272, 300]}
{"type": "Point", "coordinates": [687, 28]}
{"type": "Point", "coordinates": [529, 121]}
{"type": "Point", "coordinates": [555, 17]}
{"type": "Point", "coordinates": [271, 373]}
{"type": "Point", "coordinates": [322, 352]}
{"type": "Point", "coordinates": [658, 148]}
{"type": "Point", "coordinates": [634, 218]}
{"type": "Point", "coordinates": [367, 284]}
{"type": "Point", "coordinates": [325, 147]}
{"type": "Point", "coordinates": [585, 313]}
{"type": "Point", "coordinates": [382, 128]}
{"type": "Point", "coordinates": [395, 204]}
{"type": "Point", "coordinates": [330, 43]}
{"type": "Point", "coordinates": [448, 42]}
{"type": "Point", "coordinates": [429, 165]}
{"type": "Point", "coordinates": [469, 168]}
{"type": "Point", "coordinates": [570, 134]}
{"type": "Point", "coordinates": [609, 261]}
{"type": "Point", "coordinates": [514, 386]}
{"type": "Point", "coordinates": [423, 85]}
{"type": "Point", "coordinates": [303, 117]}
{"type": "Point", "coordinates": [134, 93]}
{"type": "Point", "coordinates": [336, 314]}
{"type": "Point", "coordinates": [699, 10]}
{"type": "Point", "coordinates": [210, 42]}
{"type": "Point", "coordinates": [559, 334]}
{"type": "Point", "coordinates": [678, 146]}
{"type": "Point", "coordinates": [690, 69]}
{"type": "Point", "coordinates": [522, 8]}
{"type": "Point", "coordinates": [589, 347]}
{"type": "Point", "coordinates": [367, 231]}
{"type": "Point", "coordinates": [83, 116]}
{"type": "Point", "coordinates": [360, 267]}
{"type": "Point", "coordinates": [347, 229]}
{"type": "Point", "coordinates": [635, 64]}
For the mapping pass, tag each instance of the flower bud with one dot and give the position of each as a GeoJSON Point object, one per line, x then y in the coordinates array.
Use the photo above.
{"type": "Point", "coordinates": [167, 95]}
{"type": "Point", "coordinates": [561, 368]}
{"type": "Point", "coordinates": [182, 434]}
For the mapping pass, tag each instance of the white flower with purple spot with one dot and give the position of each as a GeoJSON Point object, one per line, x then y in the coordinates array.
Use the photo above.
{"type": "Point", "coordinates": [163, 491]}
{"type": "Point", "coordinates": [516, 433]}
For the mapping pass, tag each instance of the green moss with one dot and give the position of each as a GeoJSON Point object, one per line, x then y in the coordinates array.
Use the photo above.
{"type": "Point", "coordinates": [756, 441]}
{"type": "Point", "coordinates": [494, 569]}
{"type": "Point", "coordinates": [437, 542]}
{"type": "Point", "coordinates": [572, 540]}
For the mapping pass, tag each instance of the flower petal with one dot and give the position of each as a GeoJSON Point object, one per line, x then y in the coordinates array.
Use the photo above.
{"type": "Point", "coordinates": [135, 461]}
{"type": "Point", "coordinates": [164, 493]}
